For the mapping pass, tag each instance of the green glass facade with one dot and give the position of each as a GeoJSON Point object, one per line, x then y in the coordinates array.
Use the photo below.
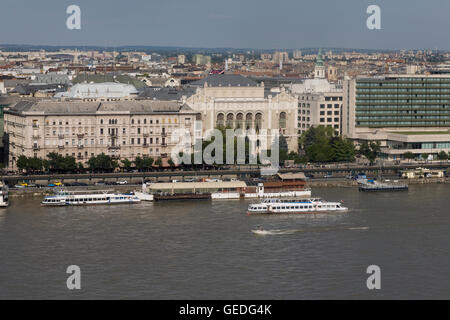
{"type": "Point", "coordinates": [403, 102]}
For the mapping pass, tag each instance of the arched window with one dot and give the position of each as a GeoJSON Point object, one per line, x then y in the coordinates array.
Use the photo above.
{"type": "Point", "coordinates": [248, 121]}
{"type": "Point", "coordinates": [258, 121]}
{"type": "Point", "coordinates": [220, 122]}
{"type": "Point", "coordinates": [239, 121]}
{"type": "Point", "coordinates": [282, 123]}
{"type": "Point", "coordinates": [230, 120]}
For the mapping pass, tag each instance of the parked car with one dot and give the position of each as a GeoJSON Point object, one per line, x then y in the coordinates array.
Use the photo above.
{"type": "Point", "coordinates": [328, 176]}
{"type": "Point", "coordinates": [122, 182]}
{"type": "Point", "coordinates": [100, 183]}
{"type": "Point", "coordinates": [79, 184]}
{"type": "Point", "coordinates": [55, 184]}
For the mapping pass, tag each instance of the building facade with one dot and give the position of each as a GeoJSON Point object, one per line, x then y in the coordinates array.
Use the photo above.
{"type": "Point", "coordinates": [121, 129]}
{"type": "Point", "coordinates": [237, 102]}
{"type": "Point", "coordinates": [406, 113]}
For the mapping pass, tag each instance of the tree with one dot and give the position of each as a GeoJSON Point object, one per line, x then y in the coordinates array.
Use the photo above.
{"type": "Point", "coordinates": [139, 163]}
{"type": "Point", "coordinates": [147, 163]}
{"type": "Point", "coordinates": [102, 162]}
{"type": "Point", "coordinates": [34, 164]}
{"type": "Point", "coordinates": [409, 155]}
{"type": "Point", "coordinates": [22, 163]}
{"type": "Point", "coordinates": [370, 150]}
{"type": "Point", "coordinates": [424, 156]}
{"type": "Point", "coordinates": [321, 145]}
{"type": "Point", "coordinates": [442, 155]}
{"type": "Point", "coordinates": [126, 164]}
{"type": "Point", "coordinates": [158, 162]}
{"type": "Point", "coordinates": [343, 150]}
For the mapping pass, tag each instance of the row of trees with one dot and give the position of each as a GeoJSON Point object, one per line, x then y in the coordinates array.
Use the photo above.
{"type": "Point", "coordinates": [424, 156]}
{"type": "Point", "coordinates": [320, 144]}
{"type": "Point", "coordinates": [56, 163]}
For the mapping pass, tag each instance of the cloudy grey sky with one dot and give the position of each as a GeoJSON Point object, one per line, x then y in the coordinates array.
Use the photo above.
{"type": "Point", "coordinates": [406, 24]}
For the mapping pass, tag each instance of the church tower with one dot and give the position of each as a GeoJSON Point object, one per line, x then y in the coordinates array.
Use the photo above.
{"type": "Point", "coordinates": [319, 69]}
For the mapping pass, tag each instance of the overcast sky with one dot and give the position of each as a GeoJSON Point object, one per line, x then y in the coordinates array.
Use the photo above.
{"type": "Point", "coordinates": [406, 24]}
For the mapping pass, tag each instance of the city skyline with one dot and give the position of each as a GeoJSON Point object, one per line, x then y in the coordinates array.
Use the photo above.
{"type": "Point", "coordinates": [210, 24]}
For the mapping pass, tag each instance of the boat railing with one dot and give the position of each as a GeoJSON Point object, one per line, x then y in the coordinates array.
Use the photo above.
{"type": "Point", "coordinates": [77, 192]}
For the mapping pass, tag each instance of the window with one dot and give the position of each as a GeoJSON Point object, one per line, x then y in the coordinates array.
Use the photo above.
{"type": "Point", "coordinates": [282, 120]}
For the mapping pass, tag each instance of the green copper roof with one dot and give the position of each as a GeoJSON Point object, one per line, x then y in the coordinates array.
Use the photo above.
{"type": "Point", "coordinates": [319, 61]}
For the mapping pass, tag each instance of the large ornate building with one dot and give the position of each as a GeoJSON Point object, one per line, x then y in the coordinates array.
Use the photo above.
{"type": "Point", "coordinates": [82, 129]}
{"type": "Point", "coordinates": [237, 102]}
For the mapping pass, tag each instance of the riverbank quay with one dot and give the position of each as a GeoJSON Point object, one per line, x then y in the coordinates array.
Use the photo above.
{"type": "Point", "coordinates": [311, 183]}
{"type": "Point", "coordinates": [241, 173]}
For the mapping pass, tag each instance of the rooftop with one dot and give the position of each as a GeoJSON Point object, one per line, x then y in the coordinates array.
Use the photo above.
{"type": "Point", "coordinates": [225, 80]}
{"type": "Point", "coordinates": [50, 107]}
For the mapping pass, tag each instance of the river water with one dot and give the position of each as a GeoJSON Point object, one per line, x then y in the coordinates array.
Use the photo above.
{"type": "Point", "coordinates": [206, 250]}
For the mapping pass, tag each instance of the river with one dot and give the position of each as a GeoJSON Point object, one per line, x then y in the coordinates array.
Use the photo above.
{"type": "Point", "coordinates": [206, 250]}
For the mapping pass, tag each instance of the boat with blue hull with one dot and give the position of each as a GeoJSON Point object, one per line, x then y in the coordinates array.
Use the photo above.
{"type": "Point", "coordinates": [376, 186]}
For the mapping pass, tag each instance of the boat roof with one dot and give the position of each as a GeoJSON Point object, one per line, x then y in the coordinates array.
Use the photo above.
{"type": "Point", "coordinates": [196, 185]}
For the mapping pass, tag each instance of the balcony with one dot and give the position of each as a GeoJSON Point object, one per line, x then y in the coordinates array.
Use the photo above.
{"type": "Point", "coordinates": [113, 134]}
{"type": "Point", "coordinates": [80, 158]}
{"type": "Point", "coordinates": [80, 135]}
{"type": "Point", "coordinates": [145, 145]}
{"type": "Point", "coordinates": [164, 144]}
{"type": "Point", "coordinates": [80, 146]}
{"type": "Point", "coordinates": [60, 136]}
{"type": "Point", "coordinates": [36, 148]}
{"type": "Point", "coordinates": [117, 146]}
{"type": "Point", "coordinates": [36, 136]}
{"type": "Point", "coordinates": [60, 147]}
{"type": "Point", "coordinates": [164, 134]}
{"type": "Point", "coordinates": [35, 125]}
{"type": "Point", "coordinates": [146, 134]}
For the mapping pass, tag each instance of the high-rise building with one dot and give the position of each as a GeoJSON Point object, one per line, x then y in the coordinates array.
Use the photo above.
{"type": "Point", "coordinates": [181, 59]}
{"type": "Point", "coordinates": [406, 113]}
{"type": "Point", "coordinates": [297, 54]}
{"type": "Point", "coordinates": [280, 57]}
{"type": "Point", "coordinates": [201, 59]}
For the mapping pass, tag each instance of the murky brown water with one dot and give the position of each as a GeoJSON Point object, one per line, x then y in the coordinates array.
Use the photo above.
{"type": "Point", "coordinates": [206, 250]}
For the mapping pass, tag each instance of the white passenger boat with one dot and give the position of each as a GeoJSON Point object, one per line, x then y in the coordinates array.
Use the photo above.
{"type": "Point", "coordinates": [68, 198]}
{"type": "Point", "coordinates": [312, 205]}
{"type": "Point", "coordinates": [3, 195]}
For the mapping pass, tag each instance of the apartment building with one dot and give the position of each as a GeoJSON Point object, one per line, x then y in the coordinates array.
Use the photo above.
{"type": "Point", "coordinates": [82, 129]}
{"type": "Point", "coordinates": [319, 104]}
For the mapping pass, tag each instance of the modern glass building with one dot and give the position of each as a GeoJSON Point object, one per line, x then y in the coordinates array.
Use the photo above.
{"type": "Point", "coordinates": [406, 113]}
{"type": "Point", "coordinates": [403, 101]}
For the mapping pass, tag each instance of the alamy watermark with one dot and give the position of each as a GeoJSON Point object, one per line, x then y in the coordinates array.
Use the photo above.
{"type": "Point", "coordinates": [74, 280]}
{"type": "Point", "coordinates": [374, 280]}
{"type": "Point", "coordinates": [74, 20]}
{"type": "Point", "coordinates": [374, 20]}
